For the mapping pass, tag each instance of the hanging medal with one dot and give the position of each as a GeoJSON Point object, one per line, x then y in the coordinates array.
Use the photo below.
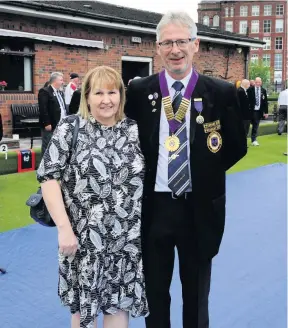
{"type": "Point", "coordinates": [199, 107]}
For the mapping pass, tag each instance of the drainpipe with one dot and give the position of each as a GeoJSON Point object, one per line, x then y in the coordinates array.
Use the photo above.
{"type": "Point", "coordinates": [246, 68]}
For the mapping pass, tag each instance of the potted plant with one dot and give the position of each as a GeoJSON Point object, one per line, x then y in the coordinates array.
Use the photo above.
{"type": "Point", "coordinates": [3, 85]}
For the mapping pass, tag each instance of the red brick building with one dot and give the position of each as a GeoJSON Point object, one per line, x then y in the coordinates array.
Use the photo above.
{"type": "Point", "coordinates": [38, 38]}
{"type": "Point", "coordinates": [263, 19]}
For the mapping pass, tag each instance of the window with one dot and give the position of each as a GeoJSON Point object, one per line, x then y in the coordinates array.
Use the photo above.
{"type": "Point", "coordinates": [267, 26]}
{"type": "Point", "coordinates": [279, 9]}
{"type": "Point", "coordinates": [279, 25]}
{"type": "Point", "coordinates": [226, 12]}
{"type": "Point", "coordinates": [279, 43]}
{"type": "Point", "coordinates": [243, 27]}
{"type": "Point", "coordinates": [206, 20]}
{"type": "Point", "coordinates": [216, 20]}
{"type": "Point", "coordinates": [232, 11]}
{"type": "Point", "coordinates": [268, 43]}
{"type": "Point", "coordinates": [267, 10]}
{"type": "Point", "coordinates": [253, 48]}
{"type": "Point", "coordinates": [16, 64]}
{"type": "Point", "coordinates": [244, 11]}
{"type": "Point", "coordinates": [255, 26]}
{"type": "Point", "coordinates": [278, 62]}
{"type": "Point", "coordinates": [229, 26]}
{"type": "Point", "coordinates": [255, 10]}
{"type": "Point", "coordinates": [266, 60]}
{"type": "Point", "coordinates": [254, 58]}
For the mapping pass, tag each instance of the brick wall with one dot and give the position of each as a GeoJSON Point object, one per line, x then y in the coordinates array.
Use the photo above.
{"type": "Point", "coordinates": [57, 57]}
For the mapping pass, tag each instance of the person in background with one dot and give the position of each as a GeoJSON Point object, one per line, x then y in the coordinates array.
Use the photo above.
{"type": "Point", "coordinates": [51, 107]}
{"type": "Point", "coordinates": [259, 104]}
{"type": "Point", "coordinates": [245, 104]}
{"type": "Point", "coordinates": [97, 206]}
{"type": "Point", "coordinates": [71, 88]}
{"type": "Point", "coordinates": [282, 109]}
{"type": "Point", "coordinates": [186, 160]}
{"type": "Point", "coordinates": [75, 102]}
{"type": "Point", "coordinates": [252, 83]}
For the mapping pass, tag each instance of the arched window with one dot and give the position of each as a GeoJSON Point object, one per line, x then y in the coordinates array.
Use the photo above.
{"type": "Point", "coordinates": [216, 20]}
{"type": "Point", "coordinates": [206, 20]}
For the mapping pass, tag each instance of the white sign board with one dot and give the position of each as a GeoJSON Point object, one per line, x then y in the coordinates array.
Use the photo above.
{"type": "Point", "coordinates": [136, 39]}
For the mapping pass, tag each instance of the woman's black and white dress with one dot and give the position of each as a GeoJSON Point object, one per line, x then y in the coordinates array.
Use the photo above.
{"type": "Point", "coordinates": [102, 188]}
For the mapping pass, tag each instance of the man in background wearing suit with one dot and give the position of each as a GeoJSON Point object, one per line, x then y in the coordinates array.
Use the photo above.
{"type": "Point", "coordinates": [259, 103]}
{"type": "Point", "coordinates": [51, 107]}
{"type": "Point", "coordinates": [75, 102]}
{"type": "Point", "coordinates": [245, 104]}
{"type": "Point", "coordinates": [186, 160]}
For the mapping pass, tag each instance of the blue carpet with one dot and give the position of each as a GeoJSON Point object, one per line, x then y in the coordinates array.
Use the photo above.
{"type": "Point", "coordinates": [248, 279]}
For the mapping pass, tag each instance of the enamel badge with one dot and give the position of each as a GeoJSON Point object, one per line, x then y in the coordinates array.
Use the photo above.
{"type": "Point", "coordinates": [214, 141]}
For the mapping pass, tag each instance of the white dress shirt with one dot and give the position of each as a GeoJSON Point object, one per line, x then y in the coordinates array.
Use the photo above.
{"type": "Point", "coordinates": [161, 184]}
{"type": "Point", "coordinates": [60, 102]}
{"type": "Point", "coordinates": [283, 98]}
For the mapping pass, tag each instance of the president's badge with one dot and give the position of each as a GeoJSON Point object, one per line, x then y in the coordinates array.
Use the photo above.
{"type": "Point", "coordinates": [214, 141]}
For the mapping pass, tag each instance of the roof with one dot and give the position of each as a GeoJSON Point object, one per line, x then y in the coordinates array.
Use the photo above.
{"type": "Point", "coordinates": [118, 14]}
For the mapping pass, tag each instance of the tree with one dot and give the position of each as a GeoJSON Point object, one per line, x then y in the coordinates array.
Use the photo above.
{"type": "Point", "coordinates": [258, 69]}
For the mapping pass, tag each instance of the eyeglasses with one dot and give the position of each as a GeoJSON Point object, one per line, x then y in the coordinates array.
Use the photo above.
{"type": "Point", "coordinates": [181, 44]}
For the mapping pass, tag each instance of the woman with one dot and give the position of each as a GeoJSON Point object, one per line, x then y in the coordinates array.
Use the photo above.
{"type": "Point", "coordinates": [98, 218]}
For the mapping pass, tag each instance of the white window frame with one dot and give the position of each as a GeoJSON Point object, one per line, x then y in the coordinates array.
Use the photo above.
{"type": "Point", "coordinates": [276, 67]}
{"type": "Point", "coordinates": [243, 11]}
{"type": "Point", "coordinates": [277, 7]}
{"type": "Point", "coordinates": [255, 10]}
{"type": "Point", "coordinates": [206, 20]}
{"type": "Point", "coordinates": [267, 20]}
{"type": "Point", "coordinates": [279, 29]}
{"type": "Point", "coordinates": [140, 60]}
{"type": "Point", "coordinates": [266, 59]}
{"type": "Point", "coordinates": [255, 26]}
{"type": "Point", "coordinates": [216, 19]}
{"type": "Point", "coordinates": [252, 48]}
{"type": "Point", "coordinates": [279, 43]}
{"type": "Point", "coordinates": [267, 39]}
{"type": "Point", "coordinates": [232, 12]}
{"type": "Point", "coordinates": [254, 58]}
{"type": "Point", "coordinates": [230, 29]}
{"type": "Point", "coordinates": [226, 12]}
{"type": "Point", "coordinates": [267, 10]}
{"type": "Point", "coordinates": [241, 27]}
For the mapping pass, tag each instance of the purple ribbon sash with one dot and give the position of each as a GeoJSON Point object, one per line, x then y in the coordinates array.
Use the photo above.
{"type": "Point", "coordinates": [173, 124]}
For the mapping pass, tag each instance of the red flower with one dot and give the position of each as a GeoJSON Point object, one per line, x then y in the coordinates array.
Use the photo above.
{"type": "Point", "coordinates": [3, 83]}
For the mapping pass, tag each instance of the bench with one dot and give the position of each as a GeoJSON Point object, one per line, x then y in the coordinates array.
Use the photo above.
{"type": "Point", "coordinates": [25, 118]}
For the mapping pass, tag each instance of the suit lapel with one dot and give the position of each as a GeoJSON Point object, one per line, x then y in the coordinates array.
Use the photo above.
{"type": "Point", "coordinates": [154, 111]}
{"type": "Point", "coordinates": [200, 91]}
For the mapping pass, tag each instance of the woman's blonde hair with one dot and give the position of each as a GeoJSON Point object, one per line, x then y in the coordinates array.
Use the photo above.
{"type": "Point", "coordinates": [97, 78]}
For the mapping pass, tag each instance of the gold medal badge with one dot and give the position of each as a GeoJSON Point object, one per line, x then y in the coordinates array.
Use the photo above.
{"type": "Point", "coordinates": [172, 143]}
{"type": "Point", "coordinates": [214, 141]}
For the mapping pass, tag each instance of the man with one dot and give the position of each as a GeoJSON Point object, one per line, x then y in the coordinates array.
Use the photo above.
{"type": "Point", "coordinates": [252, 83]}
{"type": "Point", "coordinates": [282, 107]}
{"type": "Point", "coordinates": [186, 160]}
{"type": "Point", "coordinates": [51, 107]}
{"type": "Point", "coordinates": [75, 102]}
{"type": "Point", "coordinates": [259, 103]}
{"type": "Point", "coordinates": [71, 87]}
{"type": "Point", "coordinates": [245, 105]}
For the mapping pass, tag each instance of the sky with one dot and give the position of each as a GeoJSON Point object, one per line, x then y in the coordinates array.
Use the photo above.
{"type": "Point", "coordinates": [160, 6]}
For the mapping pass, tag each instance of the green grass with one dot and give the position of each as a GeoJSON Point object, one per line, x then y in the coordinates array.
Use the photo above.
{"type": "Point", "coordinates": [270, 151]}
{"type": "Point", "coordinates": [16, 188]}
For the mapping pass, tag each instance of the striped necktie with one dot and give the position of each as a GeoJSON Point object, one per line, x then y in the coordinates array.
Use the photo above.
{"type": "Point", "coordinates": [257, 97]}
{"type": "Point", "coordinates": [178, 169]}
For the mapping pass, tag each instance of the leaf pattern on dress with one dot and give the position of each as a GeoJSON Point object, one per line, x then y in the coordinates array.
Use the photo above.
{"type": "Point", "coordinates": [105, 214]}
{"type": "Point", "coordinates": [100, 167]}
{"type": "Point", "coordinates": [121, 176]}
{"type": "Point", "coordinates": [53, 153]}
{"type": "Point", "coordinates": [101, 143]}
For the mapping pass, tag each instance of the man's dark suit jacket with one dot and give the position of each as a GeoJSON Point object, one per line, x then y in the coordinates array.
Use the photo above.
{"type": "Point", "coordinates": [264, 101]}
{"type": "Point", "coordinates": [75, 102]}
{"type": "Point", "coordinates": [246, 109]}
{"type": "Point", "coordinates": [49, 108]}
{"type": "Point", "coordinates": [207, 168]}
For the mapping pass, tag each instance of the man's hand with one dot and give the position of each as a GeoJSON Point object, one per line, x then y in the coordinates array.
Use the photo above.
{"type": "Point", "coordinates": [265, 116]}
{"type": "Point", "coordinates": [48, 127]}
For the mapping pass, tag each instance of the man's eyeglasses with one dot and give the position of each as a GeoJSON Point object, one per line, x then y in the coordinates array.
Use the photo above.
{"type": "Point", "coordinates": [181, 44]}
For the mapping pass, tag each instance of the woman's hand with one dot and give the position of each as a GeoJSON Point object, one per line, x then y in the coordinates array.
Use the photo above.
{"type": "Point", "coordinates": [68, 243]}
